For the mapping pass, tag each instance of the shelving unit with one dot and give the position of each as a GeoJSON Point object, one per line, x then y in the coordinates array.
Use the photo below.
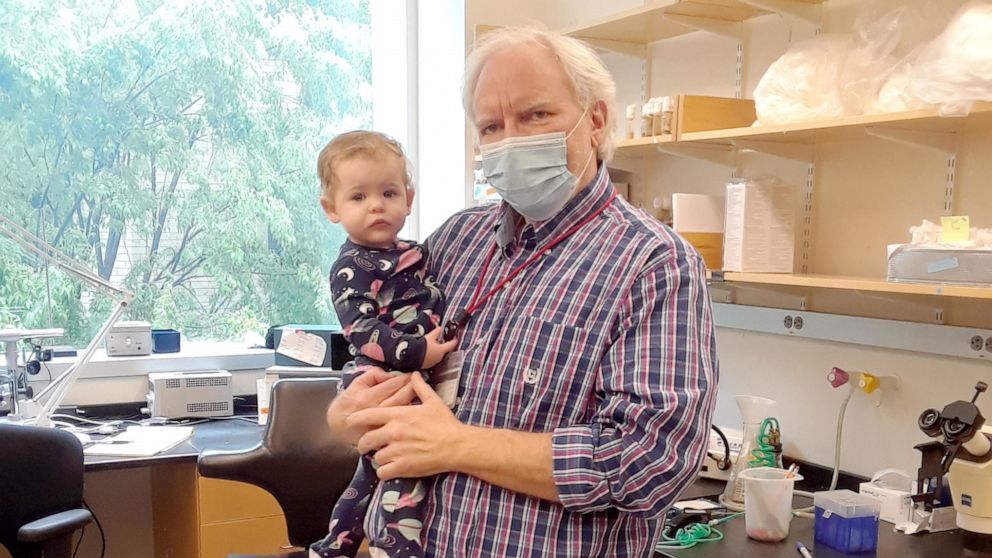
{"type": "Point", "coordinates": [632, 30]}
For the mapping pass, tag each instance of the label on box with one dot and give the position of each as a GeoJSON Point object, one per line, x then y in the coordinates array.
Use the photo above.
{"type": "Point", "coordinates": [303, 346]}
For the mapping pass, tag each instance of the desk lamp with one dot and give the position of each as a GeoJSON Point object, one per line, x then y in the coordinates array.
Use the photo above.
{"type": "Point", "coordinates": [38, 409]}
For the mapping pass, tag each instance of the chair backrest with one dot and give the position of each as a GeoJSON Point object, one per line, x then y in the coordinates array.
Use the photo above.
{"type": "Point", "coordinates": [299, 461]}
{"type": "Point", "coordinates": [41, 473]}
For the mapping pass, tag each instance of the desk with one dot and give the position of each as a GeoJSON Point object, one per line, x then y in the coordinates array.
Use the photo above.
{"type": "Point", "coordinates": [736, 543]}
{"type": "Point", "coordinates": [183, 514]}
{"type": "Point", "coordinates": [214, 435]}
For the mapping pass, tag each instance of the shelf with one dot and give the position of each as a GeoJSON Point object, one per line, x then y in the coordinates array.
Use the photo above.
{"type": "Point", "coordinates": [848, 127]}
{"type": "Point", "coordinates": [858, 284]}
{"type": "Point", "coordinates": [629, 31]}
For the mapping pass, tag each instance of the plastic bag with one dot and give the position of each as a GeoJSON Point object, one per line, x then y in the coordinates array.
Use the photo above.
{"type": "Point", "coordinates": [842, 75]}
{"type": "Point", "coordinates": [955, 70]}
{"type": "Point", "coordinates": [802, 83]}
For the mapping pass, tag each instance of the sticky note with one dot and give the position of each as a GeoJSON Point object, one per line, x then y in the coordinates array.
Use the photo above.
{"type": "Point", "coordinates": [955, 228]}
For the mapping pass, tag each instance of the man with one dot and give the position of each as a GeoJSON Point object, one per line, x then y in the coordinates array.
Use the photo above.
{"type": "Point", "coordinates": [590, 371]}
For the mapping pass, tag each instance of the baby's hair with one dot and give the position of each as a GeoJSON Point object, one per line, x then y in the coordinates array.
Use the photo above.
{"type": "Point", "coordinates": [357, 143]}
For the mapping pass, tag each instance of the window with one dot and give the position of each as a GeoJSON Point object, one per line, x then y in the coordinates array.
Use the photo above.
{"type": "Point", "coordinates": [171, 147]}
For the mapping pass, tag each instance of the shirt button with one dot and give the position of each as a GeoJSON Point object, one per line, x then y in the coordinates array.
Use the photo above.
{"type": "Point", "coordinates": [530, 376]}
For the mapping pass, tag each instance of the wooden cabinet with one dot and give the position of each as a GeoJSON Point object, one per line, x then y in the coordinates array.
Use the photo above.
{"type": "Point", "coordinates": [198, 517]}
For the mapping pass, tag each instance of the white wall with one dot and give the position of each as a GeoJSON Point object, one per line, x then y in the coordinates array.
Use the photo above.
{"type": "Point", "coordinates": [791, 370]}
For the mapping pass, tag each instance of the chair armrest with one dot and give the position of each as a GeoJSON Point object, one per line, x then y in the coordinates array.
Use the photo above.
{"type": "Point", "coordinates": [230, 465]}
{"type": "Point", "coordinates": [54, 525]}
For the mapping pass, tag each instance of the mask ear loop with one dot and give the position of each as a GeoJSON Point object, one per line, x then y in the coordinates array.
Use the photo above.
{"type": "Point", "coordinates": [574, 128]}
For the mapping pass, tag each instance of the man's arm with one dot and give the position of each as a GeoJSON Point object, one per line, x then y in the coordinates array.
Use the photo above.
{"type": "Point", "coordinates": [426, 439]}
{"type": "Point", "coordinates": [659, 381]}
{"type": "Point", "coordinates": [642, 448]}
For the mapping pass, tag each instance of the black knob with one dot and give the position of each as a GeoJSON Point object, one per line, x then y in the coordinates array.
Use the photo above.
{"type": "Point", "coordinates": [929, 422]}
{"type": "Point", "coordinates": [954, 428]}
{"type": "Point", "coordinates": [980, 388]}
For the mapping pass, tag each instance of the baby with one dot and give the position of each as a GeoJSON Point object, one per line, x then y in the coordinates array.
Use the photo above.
{"type": "Point", "coordinates": [390, 311]}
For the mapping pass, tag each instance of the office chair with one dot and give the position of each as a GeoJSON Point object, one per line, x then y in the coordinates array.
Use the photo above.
{"type": "Point", "coordinates": [41, 491]}
{"type": "Point", "coordinates": [299, 461]}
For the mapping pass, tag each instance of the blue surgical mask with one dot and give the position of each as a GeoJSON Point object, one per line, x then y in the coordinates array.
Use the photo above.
{"type": "Point", "coordinates": [531, 172]}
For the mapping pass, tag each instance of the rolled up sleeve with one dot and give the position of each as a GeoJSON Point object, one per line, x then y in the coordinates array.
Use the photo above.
{"type": "Point", "coordinates": [655, 396]}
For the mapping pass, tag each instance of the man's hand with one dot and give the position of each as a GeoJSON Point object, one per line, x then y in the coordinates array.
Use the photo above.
{"type": "Point", "coordinates": [437, 349]}
{"type": "Point", "coordinates": [414, 441]}
{"type": "Point", "coordinates": [373, 388]}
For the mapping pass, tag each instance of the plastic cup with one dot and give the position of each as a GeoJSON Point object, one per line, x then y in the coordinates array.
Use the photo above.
{"type": "Point", "coordinates": [768, 502]}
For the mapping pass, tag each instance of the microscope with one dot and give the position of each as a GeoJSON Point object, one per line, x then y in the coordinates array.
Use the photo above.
{"type": "Point", "coordinates": [964, 453]}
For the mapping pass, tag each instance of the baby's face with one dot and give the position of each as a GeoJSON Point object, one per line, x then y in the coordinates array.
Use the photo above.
{"type": "Point", "coordinates": [371, 200]}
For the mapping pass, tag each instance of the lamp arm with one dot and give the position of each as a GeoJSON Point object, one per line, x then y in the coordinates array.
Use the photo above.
{"type": "Point", "coordinates": [56, 391]}
{"type": "Point", "coordinates": [49, 253]}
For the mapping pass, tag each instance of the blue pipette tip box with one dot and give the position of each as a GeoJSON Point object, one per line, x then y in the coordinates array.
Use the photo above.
{"type": "Point", "coordinates": [846, 521]}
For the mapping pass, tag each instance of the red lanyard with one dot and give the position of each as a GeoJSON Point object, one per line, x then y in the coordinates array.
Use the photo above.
{"type": "Point", "coordinates": [461, 318]}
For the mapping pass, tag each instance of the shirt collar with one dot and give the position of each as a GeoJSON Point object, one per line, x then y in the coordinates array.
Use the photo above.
{"type": "Point", "coordinates": [510, 225]}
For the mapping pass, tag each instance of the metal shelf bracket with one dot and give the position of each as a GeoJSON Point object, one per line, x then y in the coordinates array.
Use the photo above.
{"type": "Point", "coordinates": [717, 154]}
{"type": "Point", "coordinates": [944, 142]}
{"type": "Point", "coordinates": [801, 10]}
{"type": "Point", "coordinates": [794, 151]}
{"type": "Point", "coordinates": [720, 27]}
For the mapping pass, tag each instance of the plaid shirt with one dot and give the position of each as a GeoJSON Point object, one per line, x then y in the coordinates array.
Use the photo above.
{"type": "Point", "coordinates": [606, 342]}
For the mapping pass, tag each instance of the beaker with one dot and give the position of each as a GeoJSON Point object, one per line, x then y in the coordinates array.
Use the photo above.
{"type": "Point", "coordinates": [753, 409]}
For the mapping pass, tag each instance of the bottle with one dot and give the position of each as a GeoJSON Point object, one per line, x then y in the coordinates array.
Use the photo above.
{"type": "Point", "coordinates": [646, 119]}
{"type": "Point", "coordinates": [753, 410]}
{"type": "Point", "coordinates": [656, 116]}
{"type": "Point", "coordinates": [667, 112]}
{"type": "Point", "coordinates": [631, 109]}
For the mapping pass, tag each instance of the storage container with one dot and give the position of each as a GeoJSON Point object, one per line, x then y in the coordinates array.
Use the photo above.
{"type": "Point", "coordinates": [165, 341]}
{"type": "Point", "coordinates": [846, 521]}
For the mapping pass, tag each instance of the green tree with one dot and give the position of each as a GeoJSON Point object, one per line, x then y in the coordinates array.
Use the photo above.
{"type": "Point", "coordinates": [193, 126]}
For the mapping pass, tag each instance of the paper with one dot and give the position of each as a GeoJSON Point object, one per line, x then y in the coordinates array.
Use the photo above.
{"type": "Point", "coordinates": [264, 386]}
{"type": "Point", "coordinates": [302, 346]}
{"type": "Point", "coordinates": [140, 441]}
{"type": "Point", "coordinates": [955, 229]}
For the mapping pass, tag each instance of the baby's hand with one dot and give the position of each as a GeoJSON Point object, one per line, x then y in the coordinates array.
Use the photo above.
{"type": "Point", "coordinates": [436, 349]}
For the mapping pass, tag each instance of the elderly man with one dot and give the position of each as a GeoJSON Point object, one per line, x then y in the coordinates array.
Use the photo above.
{"type": "Point", "coordinates": [590, 371]}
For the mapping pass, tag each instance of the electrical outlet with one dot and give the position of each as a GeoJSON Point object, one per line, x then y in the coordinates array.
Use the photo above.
{"type": "Point", "coordinates": [977, 343]}
{"type": "Point", "coordinates": [988, 344]}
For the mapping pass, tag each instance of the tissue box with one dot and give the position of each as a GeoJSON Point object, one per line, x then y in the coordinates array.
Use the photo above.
{"type": "Point", "coordinates": [846, 521]}
{"type": "Point", "coordinates": [928, 264]}
{"type": "Point", "coordinates": [759, 234]}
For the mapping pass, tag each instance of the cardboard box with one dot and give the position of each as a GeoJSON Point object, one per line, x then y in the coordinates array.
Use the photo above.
{"type": "Point", "coordinates": [699, 219]}
{"type": "Point", "coordinates": [759, 234]}
{"type": "Point", "coordinates": [896, 504]}
{"type": "Point", "coordinates": [699, 113]}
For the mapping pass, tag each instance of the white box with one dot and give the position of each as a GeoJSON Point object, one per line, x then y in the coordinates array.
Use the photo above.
{"type": "Point", "coordinates": [190, 394]}
{"type": "Point", "coordinates": [896, 504]}
{"type": "Point", "coordinates": [129, 339]}
{"type": "Point", "coordinates": [759, 231]}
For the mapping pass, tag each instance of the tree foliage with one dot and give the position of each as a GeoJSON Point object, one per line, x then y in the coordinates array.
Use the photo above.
{"type": "Point", "coordinates": [191, 126]}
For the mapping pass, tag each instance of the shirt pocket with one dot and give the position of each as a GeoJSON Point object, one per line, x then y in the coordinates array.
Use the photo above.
{"type": "Point", "coordinates": [547, 372]}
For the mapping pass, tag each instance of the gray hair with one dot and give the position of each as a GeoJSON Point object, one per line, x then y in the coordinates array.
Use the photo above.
{"type": "Point", "coordinates": [589, 77]}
